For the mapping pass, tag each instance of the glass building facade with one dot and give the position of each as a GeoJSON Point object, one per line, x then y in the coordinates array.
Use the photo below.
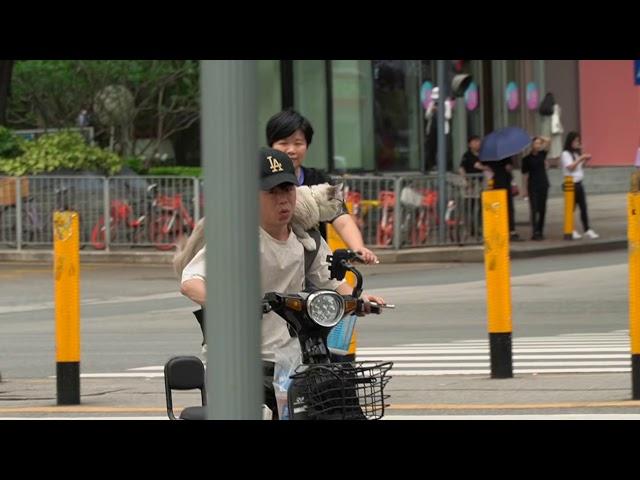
{"type": "Point", "coordinates": [370, 115]}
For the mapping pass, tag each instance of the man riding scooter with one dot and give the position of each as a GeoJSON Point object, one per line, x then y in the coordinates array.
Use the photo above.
{"type": "Point", "coordinates": [282, 259]}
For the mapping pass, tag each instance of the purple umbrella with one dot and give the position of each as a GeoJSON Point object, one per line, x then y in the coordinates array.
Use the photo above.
{"type": "Point", "coordinates": [503, 143]}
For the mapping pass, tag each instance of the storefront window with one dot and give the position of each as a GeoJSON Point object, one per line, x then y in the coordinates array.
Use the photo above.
{"type": "Point", "coordinates": [473, 100]}
{"type": "Point", "coordinates": [429, 141]}
{"type": "Point", "coordinates": [499, 84]}
{"type": "Point", "coordinates": [512, 91]}
{"type": "Point", "coordinates": [352, 102]}
{"type": "Point", "coordinates": [371, 116]}
{"type": "Point", "coordinates": [397, 108]}
{"type": "Point", "coordinates": [269, 94]}
{"type": "Point", "coordinates": [310, 99]}
{"type": "Point", "coordinates": [533, 73]}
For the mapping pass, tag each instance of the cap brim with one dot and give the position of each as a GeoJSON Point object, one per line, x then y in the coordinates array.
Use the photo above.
{"type": "Point", "coordinates": [275, 180]}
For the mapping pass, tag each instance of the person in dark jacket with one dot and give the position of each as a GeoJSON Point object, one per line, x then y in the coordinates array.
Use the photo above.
{"type": "Point", "coordinates": [471, 165]}
{"type": "Point", "coordinates": [290, 132]}
{"type": "Point", "coordinates": [536, 182]}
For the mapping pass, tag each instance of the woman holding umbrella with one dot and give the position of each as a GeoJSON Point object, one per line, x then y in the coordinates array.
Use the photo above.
{"type": "Point", "coordinates": [502, 178]}
{"type": "Point", "coordinates": [496, 151]}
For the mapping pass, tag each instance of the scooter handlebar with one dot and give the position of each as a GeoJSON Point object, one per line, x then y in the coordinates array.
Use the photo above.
{"type": "Point", "coordinates": [376, 308]}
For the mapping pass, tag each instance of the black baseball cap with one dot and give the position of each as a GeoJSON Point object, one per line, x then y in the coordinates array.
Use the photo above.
{"type": "Point", "coordinates": [275, 168]}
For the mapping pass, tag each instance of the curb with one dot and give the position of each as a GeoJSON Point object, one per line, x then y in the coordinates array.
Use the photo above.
{"type": "Point", "coordinates": [46, 256]}
{"type": "Point", "coordinates": [475, 254]}
{"type": "Point", "coordinates": [571, 247]}
{"type": "Point", "coordinates": [472, 254]}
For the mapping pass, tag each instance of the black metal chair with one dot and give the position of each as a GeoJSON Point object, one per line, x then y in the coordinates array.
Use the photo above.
{"type": "Point", "coordinates": [185, 373]}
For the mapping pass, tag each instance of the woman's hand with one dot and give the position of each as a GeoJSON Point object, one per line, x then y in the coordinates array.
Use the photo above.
{"type": "Point", "coordinates": [368, 256]}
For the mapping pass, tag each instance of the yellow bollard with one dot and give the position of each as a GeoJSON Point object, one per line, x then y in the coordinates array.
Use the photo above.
{"type": "Point", "coordinates": [497, 269]}
{"type": "Point", "coordinates": [569, 205]}
{"type": "Point", "coordinates": [66, 267]}
{"type": "Point", "coordinates": [633, 234]}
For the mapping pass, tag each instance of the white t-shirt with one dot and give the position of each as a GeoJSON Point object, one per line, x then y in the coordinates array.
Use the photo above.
{"type": "Point", "coordinates": [195, 268]}
{"type": "Point", "coordinates": [567, 159]}
{"type": "Point", "coordinates": [282, 271]}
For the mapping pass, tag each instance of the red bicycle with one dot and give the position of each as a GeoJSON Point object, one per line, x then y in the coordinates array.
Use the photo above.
{"type": "Point", "coordinates": [121, 218]}
{"type": "Point", "coordinates": [384, 233]}
{"type": "Point", "coordinates": [425, 218]}
{"type": "Point", "coordinates": [173, 221]}
{"type": "Point", "coordinates": [353, 199]}
{"type": "Point", "coordinates": [420, 217]}
{"type": "Point", "coordinates": [169, 219]}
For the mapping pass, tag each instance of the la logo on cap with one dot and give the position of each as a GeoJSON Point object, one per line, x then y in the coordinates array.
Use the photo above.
{"type": "Point", "coordinates": [275, 165]}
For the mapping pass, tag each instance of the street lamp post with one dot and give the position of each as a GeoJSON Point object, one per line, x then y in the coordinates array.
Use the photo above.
{"type": "Point", "coordinates": [229, 141]}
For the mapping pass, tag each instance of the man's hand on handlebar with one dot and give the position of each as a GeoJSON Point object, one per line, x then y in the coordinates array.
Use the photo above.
{"type": "Point", "coordinates": [367, 307]}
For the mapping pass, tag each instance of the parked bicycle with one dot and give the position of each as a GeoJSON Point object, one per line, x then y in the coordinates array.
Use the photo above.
{"type": "Point", "coordinates": [32, 225]}
{"type": "Point", "coordinates": [420, 214]}
{"type": "Point", "coordinates": [122, 219]}
{"type": "Point", "coordinates": [420, 218]}
{"type": "Point", "coordinates": [384, 233]}
{"type": "Point", "coordinates": [173, 221]}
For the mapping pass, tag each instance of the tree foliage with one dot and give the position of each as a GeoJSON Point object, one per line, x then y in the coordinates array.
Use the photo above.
{"type": "Point", "coordinates": [52, 93]}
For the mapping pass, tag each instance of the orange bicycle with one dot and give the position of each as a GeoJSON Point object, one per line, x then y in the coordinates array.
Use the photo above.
{"type": "Point", "coordinates": [384, 233]}
{"type": "Point", "coordinates": [173, 222]}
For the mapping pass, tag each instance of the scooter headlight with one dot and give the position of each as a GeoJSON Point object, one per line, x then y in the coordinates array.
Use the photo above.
{"type": "Point", "coordinates": [326, 308]}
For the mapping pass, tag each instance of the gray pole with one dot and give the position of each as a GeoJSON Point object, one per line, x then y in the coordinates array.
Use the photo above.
{"type": "Point", "coordinates": [18, 181]}
{"type": "Point", "coordinates": [442, 149]}
{"type": "Point", "coordinates": [229, 153]}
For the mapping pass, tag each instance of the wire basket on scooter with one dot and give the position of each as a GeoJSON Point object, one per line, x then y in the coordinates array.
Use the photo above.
{"type": "Point", "coordinates": [341, 391]}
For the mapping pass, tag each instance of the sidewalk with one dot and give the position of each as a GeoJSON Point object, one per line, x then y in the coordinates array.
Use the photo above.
{"type": "Point", "coordinates": [541, 394]}
{"type": "Point", "coordinates": [608, 217]}
{"type": "Point", "coordinates": [531, 394]}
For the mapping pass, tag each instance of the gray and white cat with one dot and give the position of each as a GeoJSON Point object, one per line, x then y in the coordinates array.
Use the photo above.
{"type": "Point", "coordinates": [315, 204]}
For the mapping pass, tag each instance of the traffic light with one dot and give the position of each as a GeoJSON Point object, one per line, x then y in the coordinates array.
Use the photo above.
{"type": "Point", "coordinates": [459, 80]}
{"type": "Point", "coordinates": [458, 65]}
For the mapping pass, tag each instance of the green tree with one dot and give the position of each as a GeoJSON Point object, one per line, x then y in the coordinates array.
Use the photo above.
{"type": "Point", "coordinates": [51, 94]}
{"type": "Point", "coordinates": [54, 151]}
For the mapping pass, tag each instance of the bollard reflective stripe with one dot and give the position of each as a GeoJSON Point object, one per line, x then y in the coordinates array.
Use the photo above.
{"type": "Point", "coordinates": [633, 234]}
{"type": "Point", "coordinates": [66, 270]}
{"type": "Point", "coordinates": [569, 200]}
{"type": "Point", "coordinates": [498, 277]}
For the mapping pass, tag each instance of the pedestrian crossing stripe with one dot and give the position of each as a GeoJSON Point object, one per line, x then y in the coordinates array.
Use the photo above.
{"type": "Point", "coordinates": [568, 353]}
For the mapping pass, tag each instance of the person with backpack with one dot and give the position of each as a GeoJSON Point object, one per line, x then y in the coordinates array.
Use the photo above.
{"type": "Point", "coordinates": [282, 260]}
